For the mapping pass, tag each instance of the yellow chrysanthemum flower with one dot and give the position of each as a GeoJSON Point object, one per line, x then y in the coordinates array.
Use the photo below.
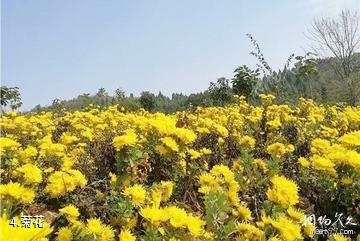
{"type": "Point", "coordinates": [126, 235]}
{"type": "Point", "coordinates": [70, 211]}
{"type": "Point", "coordinates": [30, 173]}
{"type": "Point", "coordinates": [137, 194]}
{"type": "Point", "coordinates": [283, 192]}
{"type": "Point", "coordinates": [129, 139]}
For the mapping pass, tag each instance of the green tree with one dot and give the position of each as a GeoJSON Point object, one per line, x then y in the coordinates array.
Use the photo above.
{"type": "Point", "coordinates": [84, 100]}
{"type": "Point", "coordinates": [102, 98]}
{"type": "Point", "coordinates": [245, 81]}
{"type": "Point", "coordinates": [10, 96]}
{"type": "Point", "coordinates": [147, 100]}
{"type": "Point", "coordinates": [102, 92]}
{"type": "Point", "coordinates": [220, 92]}
{"type": "Point", "coordinates": [119, 94]}
{"type": "Point", "coordinates": [305, 67]}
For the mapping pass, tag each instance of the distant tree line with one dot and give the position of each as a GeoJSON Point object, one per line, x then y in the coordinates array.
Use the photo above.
{"type": "Point", "coordinates": [330, 73]}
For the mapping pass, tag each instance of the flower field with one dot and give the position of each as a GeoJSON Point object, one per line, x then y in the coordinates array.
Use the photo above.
{"type": "Point", "coordinates": [239, 172]}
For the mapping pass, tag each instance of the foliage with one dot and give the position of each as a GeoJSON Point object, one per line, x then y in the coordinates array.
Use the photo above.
{"type": "Point", "coordinates": [147, 100]}
{"type": "Point", "coordinates": [220, 93]}
{"type": "Point", "coordinates": [245, 81]}
{"type": "Point", "coordinates": [10, 96]}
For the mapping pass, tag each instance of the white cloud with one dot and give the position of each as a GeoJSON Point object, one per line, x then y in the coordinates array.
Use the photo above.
{"type": "Point", "coordinates": [330, 7]}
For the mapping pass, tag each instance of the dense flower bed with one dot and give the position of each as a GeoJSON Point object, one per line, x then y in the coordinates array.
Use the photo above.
{"type": "Point", "coordinates": [239, 172]}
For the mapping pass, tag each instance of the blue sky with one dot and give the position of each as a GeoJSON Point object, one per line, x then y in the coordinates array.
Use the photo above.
{"type": "Point", "coordinates": [63, 48]}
